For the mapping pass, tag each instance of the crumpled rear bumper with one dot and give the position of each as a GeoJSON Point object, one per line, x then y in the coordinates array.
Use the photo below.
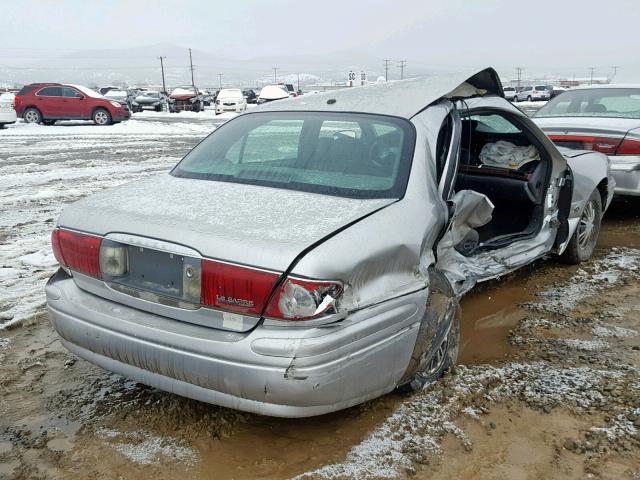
{"type": "Point", "coordinates": [278, 371]}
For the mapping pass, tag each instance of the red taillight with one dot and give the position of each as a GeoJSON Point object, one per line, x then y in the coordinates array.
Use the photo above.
{"type": "Point", "coordinates": [299, 299]}
{"type": "Point", "coordinates": [16, 101]}
{"type": "Point", "coordinates": [629, 147]}
{"type": "Point", "coordinates": [606, 145]}
{"type": "Point", "coordinates": [77, 251]}
{"type": "Point", "coordinates": [236, 288]}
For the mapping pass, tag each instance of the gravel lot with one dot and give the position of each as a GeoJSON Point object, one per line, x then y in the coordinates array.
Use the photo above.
{"type": "Point", "coordinates": [548, 384]}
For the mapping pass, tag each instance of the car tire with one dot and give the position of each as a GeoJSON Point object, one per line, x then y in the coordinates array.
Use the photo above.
{"type": "Point", "coordinates": [196, 107]}
{"type": "Point", "coordinates": [158, 108]}
{"type": "Point", "coordinates": [32, 115]}
{"type": "Point", "coordinates": [584, 239]}
{"type": "Point", "coordinates": [529, 99]}
{"type": "Point", "coordinates": [429, 361]}
{"type": "Point", "coordinates": [101, 117]}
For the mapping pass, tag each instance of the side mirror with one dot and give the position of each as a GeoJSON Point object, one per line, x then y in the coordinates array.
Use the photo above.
{"type": "Point", "coordinates": [80, 97]}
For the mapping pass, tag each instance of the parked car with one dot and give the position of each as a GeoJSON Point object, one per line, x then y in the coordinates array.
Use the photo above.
{"type": "Point", "coordinates": [151, 99]}
{"type": "Point", "coordinates": [555, 91]}
{"type": "Point", "coordinates": [47, 102]}
{"type": "Point", "coordinates": [230, 100]}
{"type": "Point", "coordinates": [509, 93]}
{"type": "Point", "coordinates": [104, 90]}
{"type": "Point", "coordinates": [532, 93]}
{"type": "Point", "coordinates": [185, 98]}
{"type": "Point", "coordinates": [250, 96]}
{"type": "Point", "coordinates": [603, 119]}
{"type": "Point", "coordinates": [271, 93]}
{"type": "Point", "coordinates": [260, 274]}
{"type": "Point", "coordinates": [7, 110]}
{"type": "Point", "coordinates": [124, 97]}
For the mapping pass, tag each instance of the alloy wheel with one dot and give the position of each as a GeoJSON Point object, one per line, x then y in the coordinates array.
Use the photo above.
{"type": "Point", "coordinates": [101, 118]}
{"type": "Point", "coordinates": [586, 227]}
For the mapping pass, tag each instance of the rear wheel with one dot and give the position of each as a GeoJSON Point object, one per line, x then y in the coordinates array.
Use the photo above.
{"type": "Point", "coordinates": [101, 117]}
{"type": "Point", "coordinates": [584, 239]}
{"type": "Point", "coordinates": [32, 115]}
{"type": "Point", "coordinates": [430, 359]}
{"type": "Point", "coordinates": [529, 99]}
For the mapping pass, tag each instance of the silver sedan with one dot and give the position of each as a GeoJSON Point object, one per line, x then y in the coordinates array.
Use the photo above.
{"type": "Point", "coordinates": [604, 119]}
{"type": "Point", "coordinates": [308, 256]}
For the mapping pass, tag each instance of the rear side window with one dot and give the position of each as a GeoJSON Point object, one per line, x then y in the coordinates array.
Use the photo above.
{"type": "Point", "coordinates": [50, 92]}
{"type": "Point", "coordinates": [343, 154]}
{"type": "Point", "coordinates": [26, 89]}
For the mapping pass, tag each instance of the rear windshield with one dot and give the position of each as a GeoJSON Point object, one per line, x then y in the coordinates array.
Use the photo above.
{"type": "Point", "coordinates": [540, 87]}
{"type": "Point", "coordinates": [348, 155]}
{"type": "Point", "coordinates": [596, 102]}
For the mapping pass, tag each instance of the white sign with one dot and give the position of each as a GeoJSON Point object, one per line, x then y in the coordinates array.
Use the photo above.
{"type": "Point", "coordinates": [351, 77]}
{"type": "Point", "coordinates": [363, 77]}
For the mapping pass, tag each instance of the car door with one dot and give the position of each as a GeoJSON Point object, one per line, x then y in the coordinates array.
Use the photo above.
{"type": "Point", "coordinates": [49, 102]}
{"type": "Point", "coordinates": [72, 103]}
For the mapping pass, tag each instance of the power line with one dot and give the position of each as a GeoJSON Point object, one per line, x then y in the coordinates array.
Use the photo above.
{"type": "Point", "coordinates": [401, 65]}
{"type": "Point", "coordinates": [386, 69]}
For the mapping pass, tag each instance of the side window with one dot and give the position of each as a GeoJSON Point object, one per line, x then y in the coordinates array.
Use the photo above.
{"type": "Point", "coordinates": [70, 93]}
{"type": "Point", "coordinates": [50, 92]}
{"type": "Point", "coordinates": [274, 141]}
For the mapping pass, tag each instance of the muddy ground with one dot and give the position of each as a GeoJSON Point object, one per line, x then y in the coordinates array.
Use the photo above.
{"type": "Point", "coordinates": [547, 386]}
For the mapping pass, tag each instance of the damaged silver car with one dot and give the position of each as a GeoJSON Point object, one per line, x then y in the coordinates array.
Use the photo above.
{"type": "Point", "coordinates": [308, 256]}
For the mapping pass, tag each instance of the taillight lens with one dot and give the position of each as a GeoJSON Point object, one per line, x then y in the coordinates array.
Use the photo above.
{"type": "Point", "coordinates": [606, 145]}
{"type": "Point", "coordinates": [77, 251]}
{"type": "Point", "coordinates": [298, 299]}
{"type": "Point", "coordinates": [629, 147]}
{"type": "Point", "coordinates": [236, 288]}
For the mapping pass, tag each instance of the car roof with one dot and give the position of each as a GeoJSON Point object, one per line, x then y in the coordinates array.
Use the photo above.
{"type": "Point", "coordinates": [404, 98]}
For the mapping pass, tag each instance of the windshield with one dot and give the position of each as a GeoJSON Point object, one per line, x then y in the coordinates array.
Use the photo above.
{"type": "Point", "coordinates": [594, 102]}
{"type": "Point", "coordinates": [348, 155]}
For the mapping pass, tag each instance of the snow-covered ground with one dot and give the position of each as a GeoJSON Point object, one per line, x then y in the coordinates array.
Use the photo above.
{"type": "Point", "coordinates": [46, 167]}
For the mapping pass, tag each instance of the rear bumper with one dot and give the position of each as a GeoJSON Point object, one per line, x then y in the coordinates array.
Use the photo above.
{"type": "Point", "coordinates": [278, 371]}
{"type": "Point", "coordinates": [626, 172]}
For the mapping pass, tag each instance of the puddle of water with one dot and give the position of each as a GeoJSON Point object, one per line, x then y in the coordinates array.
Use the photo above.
{"type": "Point", "coordinates": [486, 318]}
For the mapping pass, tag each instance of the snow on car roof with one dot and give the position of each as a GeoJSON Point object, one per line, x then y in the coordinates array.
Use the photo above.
{"type": "Point", "coordinates": [404, 98]}
{"type": "Point", "coordinates": [87, 91]}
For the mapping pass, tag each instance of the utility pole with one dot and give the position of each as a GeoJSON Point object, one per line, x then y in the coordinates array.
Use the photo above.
{"type": "Point", "coordinates": [193, 83]}
{"type": "Point", "coordinates": [592, 70]}
{"type": "Point", "coordinates": [220, 80]}
{"type": "Point", "coordinates": [298, 82]}
{"type": "Point", "coordinates": [519, 73]}
{"type": "Point", "coordinates": [403, 63]}
{"type": "Point", "coordinates": [615, 70]}
{"type": "Point", "coordinates": [275, 74]}
{"type": "Point", "coordinates": [164, 88]}
{"type": "Point", "coordinates": [386, 69]}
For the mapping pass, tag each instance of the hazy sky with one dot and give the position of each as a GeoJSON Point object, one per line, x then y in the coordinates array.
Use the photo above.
{"type": "Point", "coordinates": [538, 34]}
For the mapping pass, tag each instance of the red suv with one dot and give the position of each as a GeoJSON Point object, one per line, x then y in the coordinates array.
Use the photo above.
{"type": "Point", "coordinates": [48, 102]}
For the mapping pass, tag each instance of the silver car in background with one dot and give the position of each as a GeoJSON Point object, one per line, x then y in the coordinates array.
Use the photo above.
{"type": "Point", "coordinates": [533, 93]}
{"type": "Point", "coordinates": [308, 255]}
{"type": "Point", "coordinates": [603, 119]}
